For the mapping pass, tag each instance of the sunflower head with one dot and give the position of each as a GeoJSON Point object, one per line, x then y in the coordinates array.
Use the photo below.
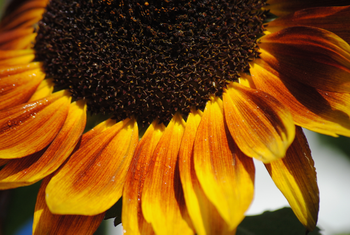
{"type": "Point", "coordinates": [216, 83]}
{"type": "Point", "coordinates": [148, 59]}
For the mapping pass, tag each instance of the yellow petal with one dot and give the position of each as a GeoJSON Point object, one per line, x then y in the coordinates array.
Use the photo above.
{"type": "Point", "coordinates": [162, 193]}
{"type": "Point", "coordinates": [224, 172]}
{"type": "Point", "coordinates": [92, 180]}
{"type": "Point", "coordinates": [47, 223]}
{"type": "Point", "coordinates": [133, 221]}
{"type": "Point", "coordinates": [30, 127]}
{"type": "Point", "coordinates": [204, 215]}
{"type": "Point", "coordinates": [13, 54]}
{"type": "Point", "coordinates": [260, 125]}
{"type": "Point", "coordinates": [28, 170]}
{"type": "Point", "coordinates": [18, 61]}
{"type": "Point", "coordinates": [44, 89]}
{"type": "Point", "coordinates": [295, 176]}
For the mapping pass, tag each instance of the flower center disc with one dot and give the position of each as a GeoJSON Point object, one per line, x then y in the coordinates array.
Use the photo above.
{"type": "Point", "coordinates": [148, 59]}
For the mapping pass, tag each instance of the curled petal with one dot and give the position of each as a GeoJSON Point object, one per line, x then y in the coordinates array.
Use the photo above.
{"type": "Point", "coordinates": [47, 223]}
{"type": "Point", "coordinates": [260, 125]}
{"type": "Point", "coordinates": [312, 56]}
{"type": "Point", "coordinates": [295, 176]}
{"type": "Point", "coordinates": [162, 196]}
{"type": "Point", "coordinates": [324, 112]}
{"type": "Point", "coordinates": [334, 19]}
{"type": "Point", "coordinates": [225, 174]}
{"type": "Point", "coordinates": [132, 217]}
{"type": "Point", "coordinates": [28, 170]}
{"type": "Point", "coordinates": [92, 180]}
{"type": "Point", "coordinates": [30, 127]}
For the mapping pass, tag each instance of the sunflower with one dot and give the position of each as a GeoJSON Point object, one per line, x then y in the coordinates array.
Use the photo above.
{"type": "Point", "coordinates": [193, 91]}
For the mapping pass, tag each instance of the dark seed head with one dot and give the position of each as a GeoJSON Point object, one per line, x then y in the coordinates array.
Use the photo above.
{"type": "Point", "coordinates": [148, 59]}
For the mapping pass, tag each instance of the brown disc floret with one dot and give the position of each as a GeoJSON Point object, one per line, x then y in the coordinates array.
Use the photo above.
{"type": "Point", "coordinates": [148, 59]}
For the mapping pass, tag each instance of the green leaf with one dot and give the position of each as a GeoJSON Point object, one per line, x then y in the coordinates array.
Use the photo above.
{"type": "Point", "coordinates": [282, 221]}
{"type": "Point", "coordinates": [20, 207]}
{"type": "Point", "coordinates": [2, 8]}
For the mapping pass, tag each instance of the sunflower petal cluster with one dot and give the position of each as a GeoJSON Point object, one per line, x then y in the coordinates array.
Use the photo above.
{"type": "Point", "coordinates": [194, 175]}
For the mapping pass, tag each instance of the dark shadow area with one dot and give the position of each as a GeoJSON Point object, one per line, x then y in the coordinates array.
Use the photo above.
{"type": "Point", "coordinates": [282, 221]}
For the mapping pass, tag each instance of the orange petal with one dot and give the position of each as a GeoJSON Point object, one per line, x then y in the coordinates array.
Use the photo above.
{"type": "Point", "coordinates": [204, 215]}
{"type": "Point", "coordinates": [17, 89]}
{"type": "Point", "coordinates": [132, 217]}
{"type": "Point", "coordinates": [334, 19]}
{"type": "Point", "coordinates": [47, 223]}
{"type": "Point", "coordinates": [11, 82]}
{"type": "Point", "coordinates": [30, 127]}
{"type": "Point", "coordinates": [14, 34]}
{"type": "Point", "coordinates": [282, 7]}
{"type": "Point", "coordinates": [260, 125]}
{"type": "Point", "coordinates": [162, 193]}
{"type": "Point", "coordinates": [295, 176]}
{"type": "Point", "coordinates": [312, 56]}
{"type": "Point", "coordinates": [21, 43]}
{"type": "Point", "coordinates": [224, 172]}
{"type": "Point", "coordinates": [324, 112]}
{"type": "Point", "coordinates": [21, 172]}
{"type": "Point", "coordinates": [93, 178]}
{"type": "Point", "coordinates": [7, 70]}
